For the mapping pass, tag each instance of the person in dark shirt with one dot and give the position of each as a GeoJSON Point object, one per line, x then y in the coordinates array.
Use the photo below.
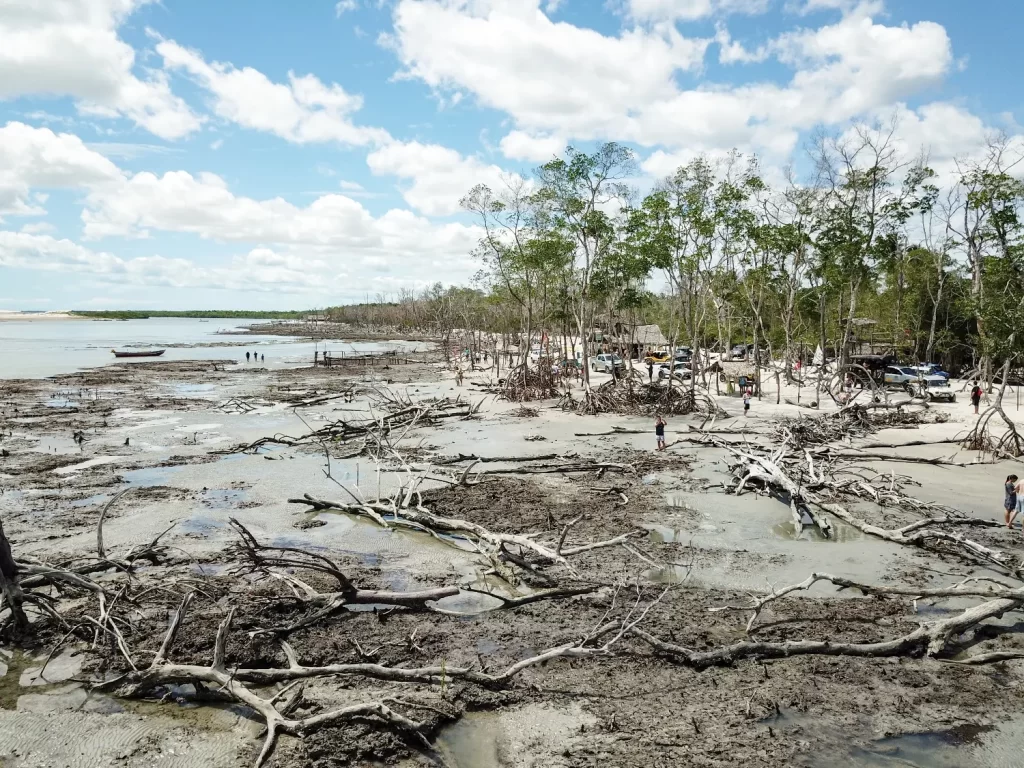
{"type": "Point", "coordinates": [659, 432]}
{"type": "Point", "coordinates": [975, 395]}
{"type": "Point", "coordinates": [1010, 499]}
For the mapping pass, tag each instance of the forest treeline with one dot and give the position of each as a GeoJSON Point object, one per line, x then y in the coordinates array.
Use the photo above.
{"type": "Point", "coordinates": [871, 241]}
{"type": "Point", "coordinates": [143, 314]}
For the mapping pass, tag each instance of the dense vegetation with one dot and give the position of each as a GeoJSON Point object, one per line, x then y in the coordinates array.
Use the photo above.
{"type": "Point", "coordinates": [143, 314]}
{"type": "Point", "coordinates": [873, 243]}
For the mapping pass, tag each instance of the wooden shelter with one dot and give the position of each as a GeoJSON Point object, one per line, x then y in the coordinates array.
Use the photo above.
{"type": "Point", "coordinates": [732, 372]}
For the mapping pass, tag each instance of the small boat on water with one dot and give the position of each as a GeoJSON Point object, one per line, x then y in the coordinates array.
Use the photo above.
{"type": "Point", "coordinates": [140, 353]}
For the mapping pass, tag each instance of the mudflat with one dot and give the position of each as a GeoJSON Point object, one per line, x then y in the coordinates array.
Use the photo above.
{"type": "Point", "coordinates": [420, 573]}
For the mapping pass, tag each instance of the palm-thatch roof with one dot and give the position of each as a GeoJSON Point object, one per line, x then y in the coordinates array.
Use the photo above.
{"type": "Point", "coordinates": [646, 335]}
{"type": "Point", "coordinates": [733, 369]}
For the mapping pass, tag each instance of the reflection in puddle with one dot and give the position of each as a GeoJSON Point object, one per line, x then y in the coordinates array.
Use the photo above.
{"type": "Point", "coordinates": [938, 749]}
{"type": "Point", "coordinates": [472, 742]}
{"type": "Point", "coordinates": [841, 532]}
{"type": "Point", "coordinates": [149, 476]}
{"type": "Point", "coordinates": [61, 402]}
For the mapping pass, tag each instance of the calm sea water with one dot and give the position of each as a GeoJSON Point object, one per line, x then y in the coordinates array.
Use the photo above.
{"type": "Point", "coordinates": [39, 348]}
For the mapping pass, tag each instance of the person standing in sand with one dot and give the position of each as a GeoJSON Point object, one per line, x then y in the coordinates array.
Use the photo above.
{"type": "Point", "coordinates": [975, 395]}
{"type": "Point", "coordinates": [659, 432]}
{"type": "Point", "coordinates": [1010, 499]}
{"type": "Point", "coordinates": [746, 401]}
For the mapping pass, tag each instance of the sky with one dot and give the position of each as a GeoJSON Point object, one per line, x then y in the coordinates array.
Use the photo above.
{"type": "Point", "coordinates": [270, 155]}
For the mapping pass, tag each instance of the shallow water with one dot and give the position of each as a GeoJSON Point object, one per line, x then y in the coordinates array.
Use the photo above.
{"type": "Point", "coordinates": [964, 746]}
{"type": "Point", "coordinates": [35, 349]}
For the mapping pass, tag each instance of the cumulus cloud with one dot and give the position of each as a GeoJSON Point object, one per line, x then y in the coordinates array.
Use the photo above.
{"type": "Point", "coordinates": [37, 158]}
{"type": "Point", "coordinates": [520, 145]}
{"type": "Point", "coordinates": [72, 48]}
{"type": "Point", "coordinates": [436, 177]}
{"type": "Point", "coordinates": [558, 79]}
{"type": "Point", "coordinates": [304, 110]}
{"type": "Point", "coordinates": [551, 77]}
{"type": "Point", "coordinates": [332, 236]}
{"type": "Point", "coordinates": [691, 10]}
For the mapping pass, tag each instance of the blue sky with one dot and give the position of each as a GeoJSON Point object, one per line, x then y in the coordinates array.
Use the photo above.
{"type": "Point", "coordinates": [187, 154]}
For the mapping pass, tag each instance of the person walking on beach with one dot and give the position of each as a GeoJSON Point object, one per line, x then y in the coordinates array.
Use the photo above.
{"type": "Point", "coordinates": [1010, 499]}
{"type": "Point", "coordinates": [746, 401]}
{"type": "Point", "coordinates": [659, 432]}
{"type": "Point", "coordinates": [975, 395]}
{"type": "Point", "coordinates": [247, 357]}
{"type": "Point", "coordinates": [650, 372]}
{"type": "Point", "coordinates": [263, 358]}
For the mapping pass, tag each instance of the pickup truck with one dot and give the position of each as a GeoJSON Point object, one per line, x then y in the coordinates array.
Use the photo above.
{"type": "Point", "coordinates": [916, 382]}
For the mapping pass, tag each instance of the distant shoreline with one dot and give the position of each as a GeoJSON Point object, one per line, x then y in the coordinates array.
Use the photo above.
{"type": "Point", "coordinates": [225, 314]}
{"type": "Point", "coordinates": [14, 314]}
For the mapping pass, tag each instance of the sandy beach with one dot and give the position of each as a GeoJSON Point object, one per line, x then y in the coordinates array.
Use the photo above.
{"type": "Point", "coordinates": [197, 444]}
{"type": "Point", "coordinates": [12, 315]}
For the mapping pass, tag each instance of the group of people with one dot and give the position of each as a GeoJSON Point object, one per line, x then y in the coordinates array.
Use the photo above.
{"type": "Point", "coordinates": [256, 357]}
{"type": "Point", "coordinates": [660, 423]}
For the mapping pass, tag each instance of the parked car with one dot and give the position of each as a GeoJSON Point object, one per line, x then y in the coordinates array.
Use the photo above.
{"type": "Point", "coordinates": [683, 354]}
{"type": "Point", "coordinates": [680, 371]}
{"type": "Point", "coordinates": [917, 383]}
{"type": "Point", "coordinates": [656, 358]}
{"type": "Point", "coordinates": [932, 369]}
{"type": "Point", "coordinates": [740, 351]}
{"type": "Point", "coordinates": [605, 362]}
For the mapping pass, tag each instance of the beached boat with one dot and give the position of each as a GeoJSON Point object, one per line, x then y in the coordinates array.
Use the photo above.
{"type": "Point", "coordinates": [140, 353]}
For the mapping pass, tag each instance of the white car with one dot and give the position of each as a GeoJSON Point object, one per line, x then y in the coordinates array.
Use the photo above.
{"type": "Point", "coordinates": [916, 382]}
{"type": "Point", "coordinates": [680, 371]}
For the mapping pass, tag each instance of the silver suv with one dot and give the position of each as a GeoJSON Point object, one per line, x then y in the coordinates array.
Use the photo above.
{"type": "Point", "coordinates": [605, 362]}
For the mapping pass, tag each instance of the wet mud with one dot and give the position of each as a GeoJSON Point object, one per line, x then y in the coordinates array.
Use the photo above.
{"type": "Point", "coordinates": [168, 432]}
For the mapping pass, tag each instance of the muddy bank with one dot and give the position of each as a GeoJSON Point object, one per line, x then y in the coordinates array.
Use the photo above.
{"type": "Point", "coordinates": [171, 432]}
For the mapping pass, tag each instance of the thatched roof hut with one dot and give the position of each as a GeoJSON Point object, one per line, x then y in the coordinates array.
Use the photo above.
{"type": "Point", "coordinates": [733, 369]}
{"type": "Point", "coordinates": [649, 336]}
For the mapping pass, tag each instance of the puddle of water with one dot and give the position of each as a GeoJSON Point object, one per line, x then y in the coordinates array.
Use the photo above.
{"type": "Point", "coordinates": [472, 742]}
{"type": "Point", "coordinates": [192, 389]}
{"type": "Point", "coordinates": [223, 498]}
{"type": "Point", "coordinates": [199, 524]}
{"type": "Point", "coordinates": [90, 501]}
{"type": "Point", "coordinates": [53, 444]}
{"type": "Point", "coordinates": [94, 462]}
{"type": "Point", "coordinates": [149, 476]}
{"type": "Point", "coordinates": [936, 749]}
{"type": "Point", "coordinates": [468, 602]}
{"type": "Point", "coordinates": [61, 402]}
{"type": "Point", "coordinates": [663, 534]}
{"type": "Point", "coordinates": [841, 532]}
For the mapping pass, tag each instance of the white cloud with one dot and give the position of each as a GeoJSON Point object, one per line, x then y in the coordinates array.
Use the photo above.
{"type": "Point", "coordinates": [395, 249]}
{"type": "Point", "coordinates": [37, 227]}
{"type": "Point", "coordinates": [128, 150]}
{"type": "Point", "coordinates": [557, 79]}
{"type": "Point", "coordinates": [257, 270]}
{"type": "Point", "coordinates": [438, 176]}
{"type": "Point", "coordinates": [734, 52]}
{"type": "Point", "coordinates": [550, 76]}
{"type": "Point", "coordinates": [344, 6]}
{"type": "Point", "coordinates": [305, 110]}
{"type": "Point", "coordinates": [520, 145]}
{"type": "Point", "coordinates": [37, 158]}
{"type": "Point", "coordinates": [691, 10]}
{"type": "Point", "coordinates": [71, 48]}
